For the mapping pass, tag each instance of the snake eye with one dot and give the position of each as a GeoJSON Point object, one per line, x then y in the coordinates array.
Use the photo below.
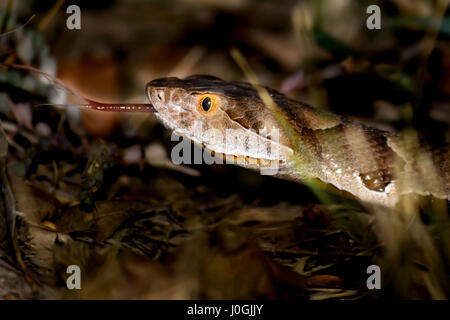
{"type": "Point", "coordinates": [206, 104]}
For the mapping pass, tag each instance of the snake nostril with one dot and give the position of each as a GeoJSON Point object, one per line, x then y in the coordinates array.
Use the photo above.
{"type": "Point", "coordinates": [158, 94]}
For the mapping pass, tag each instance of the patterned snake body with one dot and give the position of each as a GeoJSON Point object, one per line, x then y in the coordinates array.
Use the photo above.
{"type": "Point", "coordinates": [371, 164]}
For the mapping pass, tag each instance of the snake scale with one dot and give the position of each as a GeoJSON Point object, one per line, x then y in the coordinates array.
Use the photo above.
{"type": "Point", "coordinates": [313, 145]}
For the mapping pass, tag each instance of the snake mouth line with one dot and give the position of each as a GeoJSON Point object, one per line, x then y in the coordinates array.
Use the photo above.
{"type": "Point", "coordinates": [257, 163]}
{"type": "Point", "coordinates": [241, 159]}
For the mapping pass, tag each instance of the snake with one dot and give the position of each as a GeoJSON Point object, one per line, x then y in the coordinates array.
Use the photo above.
{"type": "Point", "coordinates": [304, 144]}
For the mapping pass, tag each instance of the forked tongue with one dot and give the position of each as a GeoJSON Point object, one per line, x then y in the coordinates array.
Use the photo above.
{"type": "Point", "coordinates": [85, 103]}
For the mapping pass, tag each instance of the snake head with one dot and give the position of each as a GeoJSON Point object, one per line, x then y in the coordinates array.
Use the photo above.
{"type": "Point", "coordinates": [224, 117]}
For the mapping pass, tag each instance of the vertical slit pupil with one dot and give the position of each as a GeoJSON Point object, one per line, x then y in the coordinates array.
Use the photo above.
{"type": "Point", "coordinates": [206, 104]}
